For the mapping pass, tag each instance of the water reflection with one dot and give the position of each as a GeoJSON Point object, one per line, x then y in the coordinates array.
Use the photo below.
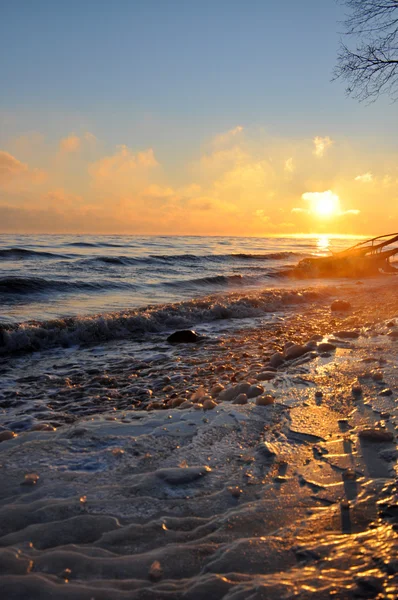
{"type": "Point", "coordinates": [323, 244]}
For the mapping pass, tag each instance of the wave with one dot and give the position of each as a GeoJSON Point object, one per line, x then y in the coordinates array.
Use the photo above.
{"type": "Point", "coordinates": [218, 280]}
{"type": "Point", "coordinates": [186, 258]}
{"type": "Point", "coordinates": [96, 245]}
{"type": "Point", "coordinates": [32, 336]}
{"type": "Point", "coordinates": [35, 285]}
{"type": "Point", "coordinates": [23, 253]}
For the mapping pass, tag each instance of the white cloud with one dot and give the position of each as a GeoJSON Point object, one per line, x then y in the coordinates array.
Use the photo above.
{"type": "Point", "coordinates": [289, 165]}
{"type": "Point", "coordinates": [71, 143]}
{"type": "Point", "coordinates": [365, 178]}
{"type": "Point", "coordinates": [321, 145]}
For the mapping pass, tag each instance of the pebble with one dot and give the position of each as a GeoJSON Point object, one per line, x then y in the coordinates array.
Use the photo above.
{"type": "Point", "coordinates": [43, 427]}
{"type": "Point", "coordinates": [276, 360]}
{"type": "Point", "coordinates": [155, 572]}
{"type": "Point", "coordinates": [377, 376]}
{"type": "Point", "coordinates": [31, 479]}
{"type": "Point", "coordinates": [386, 392]}
{"type": "Point", "coordinates": [266, 376]}
{"type": "Point", "coordinates": [177, 402]}
{"type": "Point", "coordinates": [240, 399]}
{"type": "Point", "coordinates": [235, 491]}
{"type": "Point", "coordinates": [7, 435]}
{"type": "Point", "coordinates": [209, 404]}
{"type": "Point", "coordinates": [326, 347]}
{"type": "Point", "coordinates": [186, 336]}
{"type": "Point", "coordinates": [254, 391]}
{"type": "Point", "coordinates": [318, 394]}
{"type": "Point", "coordinates": [340, 305]}
{"type": "Point", "coordinates": [349, 475]}
{"type": "Point", "coordinates": [356, 390]}
{"type": "Point", "coordinates": [347, 335]}
{"type": "Point", "coordinates": [186, 404]}
{"type": "Point", "coordinates": [295, 351]}
{"type": "Point", "coordinates": [216, 389]}
{"type": "Point", "coordinates": [267, 449]}
{"type": "Point", "coordinates": [265, 400]}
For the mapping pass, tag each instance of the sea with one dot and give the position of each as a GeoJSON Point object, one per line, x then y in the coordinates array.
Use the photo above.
{"type": "Point", "coordinates": [71, 282]}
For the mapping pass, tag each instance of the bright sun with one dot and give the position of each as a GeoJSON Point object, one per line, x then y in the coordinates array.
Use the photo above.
{"type": "Point", "coordinates": [323, 204]}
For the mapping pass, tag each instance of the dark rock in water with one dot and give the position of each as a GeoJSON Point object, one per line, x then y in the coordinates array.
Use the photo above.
{"type": "Point", "coordinates": [347, 335]}
{"type": "Point", "coordinates": [295, 351]}
{"type": "Point", "coordinates": [326, 347]}
{"type": "Point", "coordinates": [276, 360]}
{"type": "Point", "coordinates": [181, 476]}
{"type": "Point", "coordinates": [185, 336]}
{"type": "Point", "coordinates": [340, 305]}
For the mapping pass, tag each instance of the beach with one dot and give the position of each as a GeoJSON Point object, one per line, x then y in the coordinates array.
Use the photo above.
{"type": "Point", "coordinates": [258, 462]}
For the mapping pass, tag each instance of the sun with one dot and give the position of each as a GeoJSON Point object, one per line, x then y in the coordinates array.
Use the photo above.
{"type": "Point", "coordinates": [324, 205]}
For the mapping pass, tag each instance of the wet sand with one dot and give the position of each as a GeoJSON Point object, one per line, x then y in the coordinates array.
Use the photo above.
{"type": "Point", "coordinates": [124, 486]}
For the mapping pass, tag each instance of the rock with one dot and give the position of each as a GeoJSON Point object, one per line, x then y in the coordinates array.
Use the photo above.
{"type": "Point", "coordinates": [340, 305]}
{"type": "Point", "coordinates": [209, 404]}
{"type": "Point", "coordinates": [347, 335]}
{"type": "Point", "coordinates": [242, 388]}
{"type": "Point", "coordinates": [240, 399]}
{"type": "Point", "coordinates": [185, 336]}
{"type": "Point", "coordinates": [216, 389]}
{"type": "Point", "coordinates": [386, 392]}
{"type": "Point", "coordinates": [43, 427]}
{"type": "Point", "coordinates": [227, 395]}
{"type": "Point", "coordinates": [377, 375]}
{"type": "Point", "coordinates": [288, 345]}
{"type": "Point", "coordinates": [235, 491]}
{"type": "Point", "coordinates": [295, 351]}
{"type": "Point", "coordinates": [7, 435]}
{"type": "Point", "coordinates": [254, 391]}
{"type": "Point", "coordinates": [267, 450]}
{"type": "Point", "coordinates": [318, 394]}
{"type": "Point", "coordinates": [376, 434]}
{"type": "Point", "coordinates": [356, 390]}
{"type": "Point", "coordinates": [181, 475]}
{"type": "Point", "coordinates": [276, 360]}
{"type": "Point", "coordinates": [316, 338]}
{"type": "Point", "coordinates": [155, 572]}
{"type": "Point", "coordinates": [266, 376]}
{"type": "Point", "coordinates": [31, 479]}
{"type": "Point", "coordinates": [393, 335]}
{"type": "Point", "coordinates": [265, 400]}
{"type": "Point", "coordinates": [186, 404]}
{"type": "Point", "coordinates": [326, 347]}
{"type": "Point", "coordinates": [177, 402]}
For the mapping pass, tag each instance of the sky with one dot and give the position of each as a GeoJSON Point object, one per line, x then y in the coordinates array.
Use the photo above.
{"type": "Point", "coordinates": [192, 118]}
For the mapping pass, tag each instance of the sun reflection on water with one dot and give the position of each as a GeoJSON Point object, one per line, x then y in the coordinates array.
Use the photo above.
{"type": "Point", "coordinates": [323, 244]}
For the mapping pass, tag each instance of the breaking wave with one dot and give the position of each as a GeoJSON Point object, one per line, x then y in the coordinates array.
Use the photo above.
{"type": "Point", "coordinates": [64, 332]}
{"type": "Point", "coordinates": [23, 253]}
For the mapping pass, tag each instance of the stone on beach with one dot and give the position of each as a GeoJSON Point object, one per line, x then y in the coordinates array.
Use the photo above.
{"type": "Point", "coordinates": [340, 306]}
{"type": "Point", "coordinates": [181, 475]}
{"type": "Point", "coordinates": [209, 404]}
{"type": "Point", "coordinates": [276, 360]}
{"type": "Point", "coordinates": [255, 390]}
{"type": "Point", "coordinates": [266, 376]}
{"type": "Point", "coordinates": [386, 392]}
{"type": "Point", "coordinates": [240, 399]}
{"type": "Point", "coordinates": [7, 435]}
{"type": "Point", "coordinates": [155, 572]}
{"type": "Point", "coordinates": [185, 336]}
{"type": "Point", "coordinates": [295, 351]}
{"type": "Point", "coordinates": [326, 347]}
{"type": "Point", "coordinates": [216, 389]}
{"type": "Point", "coordinates": [347, 334]}
{"type": "Point", "coordinates": [265, 400]}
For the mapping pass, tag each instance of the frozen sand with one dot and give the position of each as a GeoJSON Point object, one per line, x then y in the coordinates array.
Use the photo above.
{"type": "Point", "coordinates": [288, 500]}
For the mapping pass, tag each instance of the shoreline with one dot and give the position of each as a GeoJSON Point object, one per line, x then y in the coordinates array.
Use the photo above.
{"type": "Point", "coordinates": [296, 498]}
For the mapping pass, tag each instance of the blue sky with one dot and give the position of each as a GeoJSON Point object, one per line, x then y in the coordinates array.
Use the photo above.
{"type": "Point", "coordinates": [171, 75]}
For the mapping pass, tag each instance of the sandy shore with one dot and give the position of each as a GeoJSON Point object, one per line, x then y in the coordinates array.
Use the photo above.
{"type": "Point", "coordinates": [148, 495]}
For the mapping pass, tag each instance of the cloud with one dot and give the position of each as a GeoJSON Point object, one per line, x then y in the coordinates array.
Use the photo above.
{"type": "Point", "coordinates": [365, 178]}
{"type": "Point", "coordinates": [14, 173]}
{"type": "Point", "coordinates": [124, 170]}
{"type": "Point", "coordinates": [261, 214]}
{"type": "Point", "coordinates": [352, 211]}
{"type": "Point", "coordinates": [71, 143]}
{"type": "Point", "coordinates": [321, 145]}
{"type": "Point", "coordinates": [289, 165]}
{"type": "Point", "coordinates": [10, 167]}
{"type": "Point", "coordinates": [300, 210]}
{"type": "Point", "coordinates": [226, 138]}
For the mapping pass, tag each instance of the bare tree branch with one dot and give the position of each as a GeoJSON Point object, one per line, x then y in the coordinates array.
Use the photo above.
{"type": "Point", "coordinates": [371, 68]}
